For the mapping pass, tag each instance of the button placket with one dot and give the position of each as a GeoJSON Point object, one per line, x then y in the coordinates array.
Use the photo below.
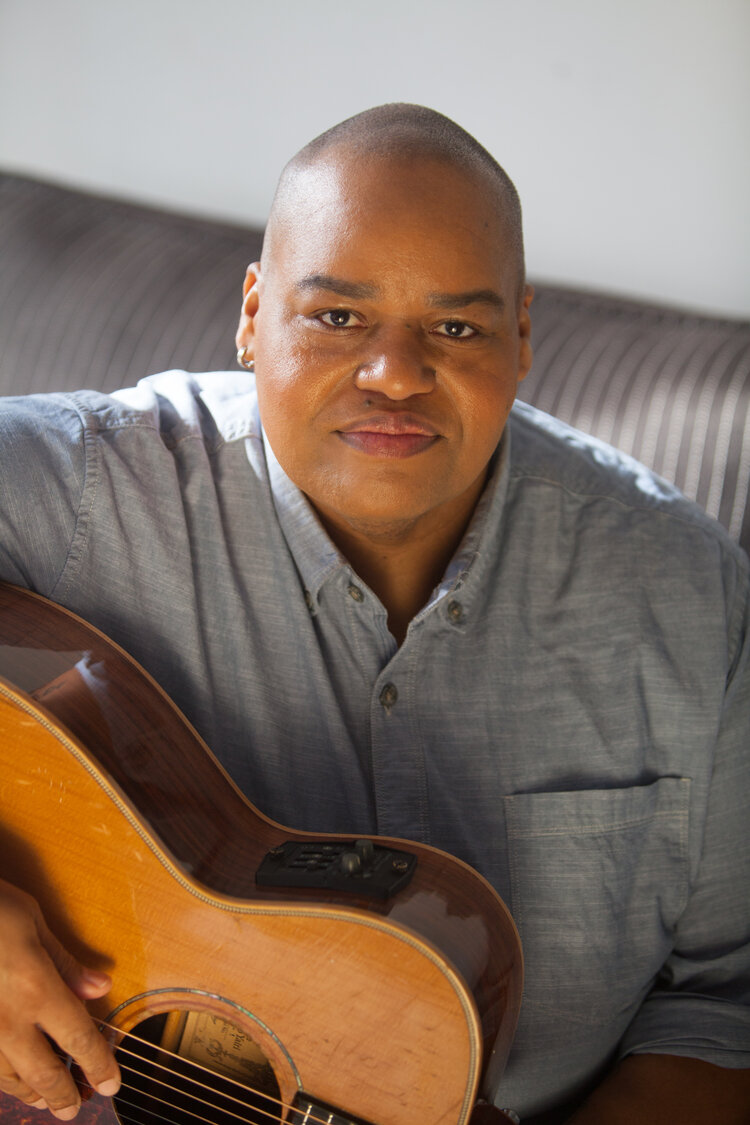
{"type": "Point", "coordinates": [398, 761]}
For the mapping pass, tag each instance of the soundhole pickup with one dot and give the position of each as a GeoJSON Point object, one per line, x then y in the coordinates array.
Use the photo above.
{"type": "Point", "coordinates": [358, 867]}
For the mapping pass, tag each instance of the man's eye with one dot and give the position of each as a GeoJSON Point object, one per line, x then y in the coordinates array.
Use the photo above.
{"type": "Point", "coordinates": [456, 329]}
{"type": "Point", "coordinates": [338, 318]}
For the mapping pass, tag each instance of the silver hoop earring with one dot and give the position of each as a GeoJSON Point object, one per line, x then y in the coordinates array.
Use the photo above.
{"type": "Point", "coordinates": [248, 364]}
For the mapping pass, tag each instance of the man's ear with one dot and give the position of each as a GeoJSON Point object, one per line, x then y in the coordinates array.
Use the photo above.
{"type": "Point", "coordinates": [525, 354]}
{"type": "Point", "coordinates": [250, 299]}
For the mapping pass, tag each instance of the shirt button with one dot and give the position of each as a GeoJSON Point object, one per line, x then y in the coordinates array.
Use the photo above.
{"type": "Point", "coordinates": [388, 696]}
{"type": "Point", "coordinates": [455, 611]}
{"type": "Point", "coordinates": [355, 593]}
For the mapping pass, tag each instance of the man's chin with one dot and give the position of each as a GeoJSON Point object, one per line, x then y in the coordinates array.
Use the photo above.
{"type": "Point", "coordinates": [379, 521]}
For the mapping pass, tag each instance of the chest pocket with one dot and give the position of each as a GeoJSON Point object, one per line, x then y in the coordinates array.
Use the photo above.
{"type": "Point", "coordinates": [599, 879]}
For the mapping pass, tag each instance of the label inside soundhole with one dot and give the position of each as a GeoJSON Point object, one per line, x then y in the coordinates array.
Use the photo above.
{"type": "Point", "coordinates": [188, 1067]}
{"type": "Point", "coordinates": [215, 1043]}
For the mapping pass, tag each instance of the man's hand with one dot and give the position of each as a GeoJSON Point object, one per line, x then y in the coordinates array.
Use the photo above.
{"type": "Point", "coordinates": [41, 991]}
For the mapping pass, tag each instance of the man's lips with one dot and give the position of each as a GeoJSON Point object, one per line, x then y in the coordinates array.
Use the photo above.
{"type": "Point", "coordinates": [389, 435]}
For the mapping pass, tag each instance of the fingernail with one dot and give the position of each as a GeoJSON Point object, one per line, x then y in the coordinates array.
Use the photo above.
{"type": "Point", "coordinates": [67, 1113]}
{"type": "Point", "coordinates": [93, 976]}
{"type": "Point", "coordinates": [41, 1104]}
{"type": "Point", "coordinates": [108, 1088]}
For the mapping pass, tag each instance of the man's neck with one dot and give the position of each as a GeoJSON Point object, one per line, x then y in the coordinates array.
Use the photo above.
{"type": "Point", "coordinates": [402, 578]}
{"type": "Point", "coordinates": [403, 562]}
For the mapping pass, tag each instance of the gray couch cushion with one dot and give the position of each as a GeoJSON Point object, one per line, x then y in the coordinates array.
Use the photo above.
{"type": "Point", "coordinates": [99, 293]}
{"type": "Point", "coordinates": [668, 387]}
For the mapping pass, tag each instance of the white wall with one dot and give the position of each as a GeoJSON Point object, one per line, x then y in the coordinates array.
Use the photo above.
{"type": "Point", "coordinates": [624, 123]}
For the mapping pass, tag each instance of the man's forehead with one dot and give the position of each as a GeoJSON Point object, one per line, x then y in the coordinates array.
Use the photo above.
{"type": "Point", "coordinates": [425, 225]}
{"type": "Point", "coordinates": [345, 173]}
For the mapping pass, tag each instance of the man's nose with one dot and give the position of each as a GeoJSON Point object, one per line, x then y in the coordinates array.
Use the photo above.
{"type": "Point", "coordinates": [398, 365]}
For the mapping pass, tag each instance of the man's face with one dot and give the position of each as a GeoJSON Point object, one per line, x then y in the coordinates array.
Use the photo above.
{"type": "Point", "coordinates": [388, 341]}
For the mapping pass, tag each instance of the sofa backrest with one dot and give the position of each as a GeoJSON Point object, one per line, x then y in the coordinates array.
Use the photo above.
{"type": "Point", "coordinates": [670, 388]}
{"type": "Point", "coordinates": [98, 293]}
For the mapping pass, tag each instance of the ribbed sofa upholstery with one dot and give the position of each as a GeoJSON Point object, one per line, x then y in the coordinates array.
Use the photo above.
{"type": "Point", "coordinates": [97, 293]}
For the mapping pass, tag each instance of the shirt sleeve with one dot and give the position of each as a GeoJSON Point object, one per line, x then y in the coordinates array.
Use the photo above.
{"type": "Point", "coordinates": [700, 1005]}
{"type": "Point", "coordinates": [43, 473]}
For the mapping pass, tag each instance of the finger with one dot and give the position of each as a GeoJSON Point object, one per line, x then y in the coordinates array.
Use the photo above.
{"type": "Point", "coordinates": [34, 997]}
{"type": "Point", "coordinates": [68, 1023]}
{"type": "Point", "coordinates": [55, 1010]}
{"type": "Point", "coordinates": [86, 983]}
{"type": "Point", "coordinates": [21, 918]}
{"type": "Point", "coordinates": [77, 1036]}
{"type": "Point", "coordinates": [11, 1084]}
{"type": "Point", "coordinates": [36, 1073]}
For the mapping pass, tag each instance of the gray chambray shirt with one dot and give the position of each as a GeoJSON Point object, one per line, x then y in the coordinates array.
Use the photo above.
{"type": "Point", "coordinates": [570, 712]}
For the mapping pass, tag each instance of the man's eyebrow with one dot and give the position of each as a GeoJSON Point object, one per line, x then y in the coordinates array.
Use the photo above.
{"type": "Point", "coordinates": [467, 297]}
{"type": "Point", "coordinates": [357, 290]}
{"type": "Point", "coordinates": [365, 290]}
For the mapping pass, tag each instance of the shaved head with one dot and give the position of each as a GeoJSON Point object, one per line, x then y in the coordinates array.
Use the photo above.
{"type": "Point", "coordinates": [402, 134]}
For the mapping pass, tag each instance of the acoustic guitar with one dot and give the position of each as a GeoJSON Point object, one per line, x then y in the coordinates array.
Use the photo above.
{"type": "Point", "coordinates": [260, 974]}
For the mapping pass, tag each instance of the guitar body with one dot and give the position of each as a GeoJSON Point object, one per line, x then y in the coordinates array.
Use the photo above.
{"type": "Point", "coordinates": [330, 1005]}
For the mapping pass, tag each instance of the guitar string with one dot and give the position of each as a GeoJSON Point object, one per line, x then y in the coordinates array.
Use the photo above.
{"type": "Point", "coordinates": [193, 1114]}
{"type": "Point", "coordinates": [199, 1068]}
{"type": "Point", "coordinates": [255, 1110]}
{"type": "Point", "coordinates": [153, 1114]}
{"type": "Point", "coordinates": [196, 1099]}
{"type": "Point", "coordinates": [312, 1118]}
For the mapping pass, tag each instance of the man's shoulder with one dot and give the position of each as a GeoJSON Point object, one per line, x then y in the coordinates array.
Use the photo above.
{"type": "Point", "coordinates": [548, 451]}
{"type": "Point", "coordinates": [215, 407]}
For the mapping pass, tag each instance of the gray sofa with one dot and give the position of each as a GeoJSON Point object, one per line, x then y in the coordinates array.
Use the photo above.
{"type": "Point", "coordinates": [97, 293]}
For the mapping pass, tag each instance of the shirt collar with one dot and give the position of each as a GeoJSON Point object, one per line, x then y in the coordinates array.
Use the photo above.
{"type": "Point", "coordinates": [315, 556]}
{"type": "Point", "coordinates": [465, 569]}
{"type": "Point", "coordinates": [318, 559]}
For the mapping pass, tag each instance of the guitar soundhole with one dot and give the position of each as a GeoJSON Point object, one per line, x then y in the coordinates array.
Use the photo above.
{"type": "Point", "coordinates": [192, 1067]}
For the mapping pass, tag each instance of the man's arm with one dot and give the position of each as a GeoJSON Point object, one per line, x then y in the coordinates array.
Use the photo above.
{"type": "Point", "coordinates": [668, 1090]}
{"type": "Point", "coordinates": [701, 1000]}
{"type": "Point", "coordinates": [43, 473]}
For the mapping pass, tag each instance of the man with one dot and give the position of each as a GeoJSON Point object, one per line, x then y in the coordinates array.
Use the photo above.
{"type": "Point", "coordinates": [395, 610]}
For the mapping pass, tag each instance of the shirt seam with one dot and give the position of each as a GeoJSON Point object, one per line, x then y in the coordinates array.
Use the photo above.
{"type": "Point", "coordinates": [94, 423]}
{"type": "Point", "coordinates": [601, 829]}
{"type": "Point", "coordinates": [79, 536]}
{"type": "Point", "coordinates": [633, 506]}
{"type": "Point", "coordinates": [719, 537]}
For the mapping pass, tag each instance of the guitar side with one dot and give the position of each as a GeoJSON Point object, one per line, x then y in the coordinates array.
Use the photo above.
{"type": "Point", "coordinates": [387, 1009]}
